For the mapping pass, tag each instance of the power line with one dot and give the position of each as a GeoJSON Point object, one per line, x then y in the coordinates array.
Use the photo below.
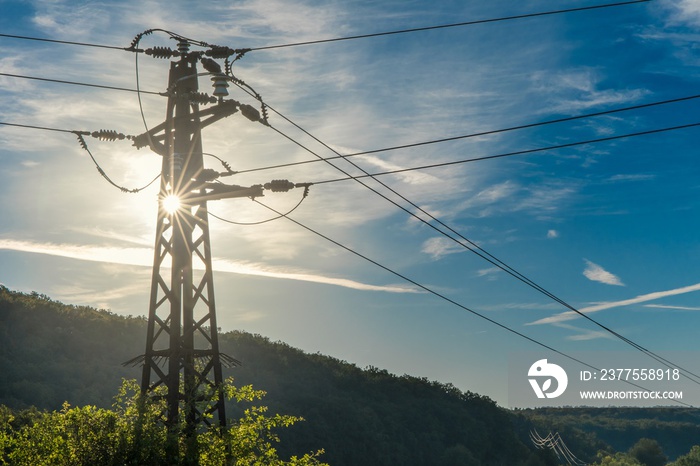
{"type": "Point", "coordinates": [477, 249]}
{"type": "Point", "coordinates": [481, 133]}
{"type": "Point", "coordinates": [135, 44]}
{"type": "Point", "coordinates": [75, 83]}
{"type": "Point", "coordinates": [83, 144]}
{"type": "Point", "coordinates": [445, 26]}
{"type": "Point", "coordinates": [260, 222]}
{"type": "Point", "coordinates": [337, 39]}
{"type": "Point", "coordinates": [511, 154]}
{"type": "Point", "coordinates": [66, 42]}
{"type": "Point", "coordinates": [43, 128]}
{"type": "Point", "coordinates": [443, 297]}
{"type": "Point", "coordinates": [104, 135]}
{"type": "Point", "coordinates": [482, 253]}
{"type": "Point", "coordinates": [419, 285]}
{"type": "Point", "coordinates": [402, 146]}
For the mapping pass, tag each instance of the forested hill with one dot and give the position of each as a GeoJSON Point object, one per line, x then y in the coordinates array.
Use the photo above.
{"type": "Point", "coordinates": [51, 352]}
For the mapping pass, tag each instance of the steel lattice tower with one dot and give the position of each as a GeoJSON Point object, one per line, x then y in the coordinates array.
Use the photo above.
{"type": "Point", "coordinates": [182, 345]}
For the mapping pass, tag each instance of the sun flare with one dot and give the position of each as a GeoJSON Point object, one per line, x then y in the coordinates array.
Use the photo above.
{"type": "Point", "coordinates": [171, 204]}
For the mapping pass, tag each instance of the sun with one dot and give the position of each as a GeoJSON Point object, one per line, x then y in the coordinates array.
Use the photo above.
{"type": "Point", "coordinates": [171, 204]}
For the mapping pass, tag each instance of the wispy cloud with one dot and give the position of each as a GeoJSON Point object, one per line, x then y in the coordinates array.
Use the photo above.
{"type": "Point", "coordinates": [596, 273]}
{"type": "Point", "coordinates": [569, 315]}
{"type": "Point", "coordinates": [584, 334]}
{"type": "Point", "coordinates": [672, 308]}
{"type": "Point", "coordinates": [626, 178]}
{"type": "Point", "coordinates": [439, 247]}
{"type": "Point", "coordinates": [580, 89]}
{"type": "Point", "coordinates": [490, 273]}
{"type": "Point", "coordinates": [143, 257]}
{"type": "Point", "coordinates": [484, 202]}
{"type": "Point", "coordinates": [552, 234]}
{"type": "Point", "coordinates": [528, 307]}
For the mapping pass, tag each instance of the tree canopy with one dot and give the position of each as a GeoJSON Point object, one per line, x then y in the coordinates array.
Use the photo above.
{"type": "Point", "coordinates": [132, 432]}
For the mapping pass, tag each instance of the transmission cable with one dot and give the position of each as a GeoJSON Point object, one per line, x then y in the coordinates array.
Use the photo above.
{"type": "Point", "coordinates": [445, 26]}
{"type": "Point", "coordinates": [103, 135]}
{"type": "Point", "coordinates": [132, 47]}
{"type": "Point", "coordinates": [479, 134]}
{"type": "Point", "coordinates": [55, 41]}
{"type": "Point", "coordinates": [479, 251]}
{"type": "Point", "coordinates": [43, 128]}
{"type": "Point", "coordinates": [419, 285]}
{"type": "Point", "coordinates": [134, 44]}
{"type": "Point", "coordinates": [84, 145]}
{"type": "Point", "coordinates": [474, 248]}
{"type": "Point", "coordinates": [443, 297]}
{"type": "Point", "coordinates": [260, 222]}
{"type": "Point", "coordinates": [386, 149]}
{"type": "Point", "coordinates": [75, 83]}
{"type": "Point", "coordinates": [503, 155]}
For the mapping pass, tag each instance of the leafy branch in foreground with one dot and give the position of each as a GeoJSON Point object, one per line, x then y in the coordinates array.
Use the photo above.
{"type": "Point", "coordinates": [132, 433]}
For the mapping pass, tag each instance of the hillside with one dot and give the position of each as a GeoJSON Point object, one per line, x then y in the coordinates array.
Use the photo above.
{"type": "Point", "coordinates": [52, 352]}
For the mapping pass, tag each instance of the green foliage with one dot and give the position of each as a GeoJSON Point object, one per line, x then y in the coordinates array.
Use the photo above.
{"type": "Point", "coordinates": [131, 433]}
{"type": "Point", "coordinates": [690, 459]}
{"type": "Point", "coordinates": [616, 459]}
{"type": "Point", "coordinates": [648, 452]}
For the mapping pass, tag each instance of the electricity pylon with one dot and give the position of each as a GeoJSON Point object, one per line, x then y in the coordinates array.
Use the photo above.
{"type": "Point", "coordinates": [182, 345]}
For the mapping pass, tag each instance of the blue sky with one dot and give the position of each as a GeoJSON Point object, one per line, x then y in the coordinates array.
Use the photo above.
{"type": "Point", "coordinates": [611, 228]}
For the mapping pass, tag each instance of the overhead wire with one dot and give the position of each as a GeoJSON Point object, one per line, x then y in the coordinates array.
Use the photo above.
{"type": "Point", "coordinates": [260, 222]}
{"type": "Point", "coordinates": [445, 26]}
{"type": "Point", "coordinates": [409, 145]}
{"type": "Point", "coordinates": [134, 44]}
{"type": "Point", "coordinates": [510, 154]}
{"type": "Point", "coordinates": [417, 284]}
{"type": "Point", "coordinates": [65, 42]}
{"type": "Point", "coordinates": [481, 133]}
{"type": "Point", "coordinates": [133, 48]}
{"type": "Point", "coordinates": [43, 128]}
{"type": "Point", "coordinates": [479, 251]}
{"type": "Point", "coordinates": [444, 297]}
{"type": "Point", "coordinates": [84, 145]}
{"type": "Point", "coordinates": [76, 83]}
{"type": "Point", "coordinates": [81, 140]}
